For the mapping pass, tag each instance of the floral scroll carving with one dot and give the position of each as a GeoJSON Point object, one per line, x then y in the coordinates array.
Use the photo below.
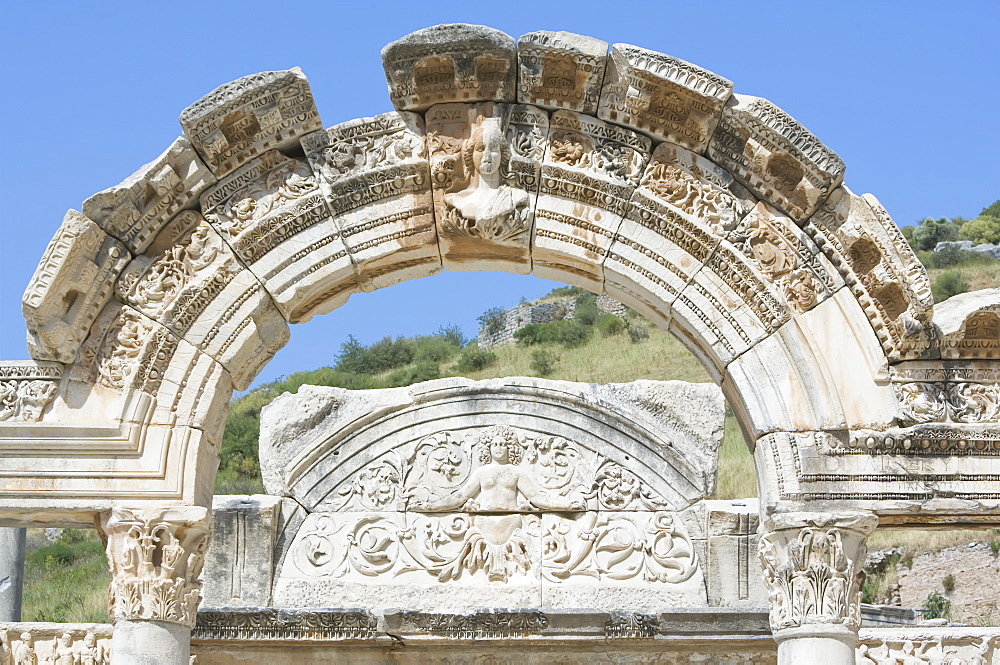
{"type": "Point", "coordinates": [498, 504]}
{"type": "Point", "coordinates": [812, 566]}
{"type": "Point", "coordinates": [156, 559]}
{"type": "Point", "coordinates": [958, 402]}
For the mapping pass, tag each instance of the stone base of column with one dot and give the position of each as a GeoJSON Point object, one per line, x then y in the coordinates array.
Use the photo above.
{"type": "Point", "coordinates": [150, 643]}
{"type": "Point", "coordinates": [829, 645]}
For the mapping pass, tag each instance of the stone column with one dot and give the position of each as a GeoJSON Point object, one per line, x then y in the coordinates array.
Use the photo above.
{"type": "Point", "coordinates": [11, 573]}
{"type": "Point", "coordinates": [156, 556]}
{"type": "Point", "coordinates": [812, 565]}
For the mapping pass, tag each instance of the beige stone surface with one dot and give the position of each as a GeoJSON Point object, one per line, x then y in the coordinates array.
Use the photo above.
{"type": "Point", "coordinates": [485, 162]}
{"type": "Point", "coordinates": [71, 284]}
{"type": "Point", "coordinates": [775, 156]}
{"type": "Point", "coordinates": [249, 116]}
{"type": "Point", "coordinates": [136, 210]}
{"type": "Point", "coordinates": [561, 70]}
{"type": "Point", "coordinates": [970, 325]}
{"type": "Point", "coordinates": [456, 62]}
{"type": "Point", "coordinates": [663, 96]}
{"type": "Point", "coordinates": [588, 175]}
{"type": "Point", "coordinates": [376, 180]}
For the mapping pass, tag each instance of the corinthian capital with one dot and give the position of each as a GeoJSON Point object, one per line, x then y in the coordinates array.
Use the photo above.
{"type": "Point", "coordinates": [156, 556]}
{"type": "Point", "coordinates": [812, 566]}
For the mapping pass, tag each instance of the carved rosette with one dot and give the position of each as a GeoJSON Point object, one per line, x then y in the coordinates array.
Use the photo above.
{"type": "Point", "coordinates": [156, 557]}
{"type": "Point", "coordinates": [812, 565]}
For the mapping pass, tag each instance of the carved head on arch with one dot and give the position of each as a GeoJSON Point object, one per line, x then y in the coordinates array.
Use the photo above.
{"type": "Point", "coordinates": [500, 436]}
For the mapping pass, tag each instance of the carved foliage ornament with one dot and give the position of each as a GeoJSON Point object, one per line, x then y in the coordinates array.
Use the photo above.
{"type": "Point", "coordinates": [813, 568]}
{"type": "Point", "coordinates": [500, 480]}
{"type": "Point", "coordinates": [156, 559]}
{"type": "Point", "coordinates": [959, 402]}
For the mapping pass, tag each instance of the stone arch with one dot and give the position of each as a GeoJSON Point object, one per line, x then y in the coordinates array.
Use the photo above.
{"type": "Point", "coordinates": [621, 170]}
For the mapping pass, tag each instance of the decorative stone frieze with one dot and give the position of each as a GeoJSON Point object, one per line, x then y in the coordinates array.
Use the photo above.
{"type": "Point", "coordinates": [376, 180]}
{"type": "Point", "coordinates": [663, 96]}
{"type": "Point", "coordinates": [488, 625]}
{"type": "Point", "coordinates": [249, 116]}
{"type": "Point", "coordinates": [859, 237]}
{"type": "Point", "coordinates": [970, 325]}
{"type": "Point", "coordinates": [682, 208]}
{"type": "Point", "coordinates": [136, 210]}
{"type": "Point", "coordinates": [71, 284]}
{"type": "Point", "coordinates": [561, 70]}
{"type": "Point", "coordinates": [156, 556]}
{"type": "Point", "coordinates": [928, 646]}
{"type": "Point", "coordinates": [181, 279]}
{"type": "Point", "coordinates": [485, 162]}
{"type": "Point", "coordinates": [55, 644]}
{"type": "Point", "coordinates": [813, 568]}
{"type": "Point", "coordinates": [256, 625]}
{"type": "Point", "coordinates": [775, 156]}
{"type": "Point", "coordinates": [450, 63]}
{"type": "Point", "coordinates": [588, 175]}
{"type": "Point", "coordinates": [26, 389]}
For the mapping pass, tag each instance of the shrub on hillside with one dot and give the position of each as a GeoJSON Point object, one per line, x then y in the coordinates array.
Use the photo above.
{"type": "Point", "coordinates": [414, 374]}
{"type": "Point", "coordinates": [932, 231]}
{"type": "Point", "coordinates": [637, 330]}
{"type": "Point", "coordinates": [609, 324]}
{"type": "Point", "coordinates": [543, 362]}
{"type": "Point", "coordinates": [474, 359]}
{"type": "Point", "coordinates": [433, 349]}
{"type": "Point", "coordinates": [954, 257]}
{"type": "Point", "coordinates": [568, 332]}
{"type": "Point", "coordinates": [947, 285]}
{"type": "Point", "coordinates": [936, 606]}
{"type": "Point", "coordinates": [492, 321]}
{"type": "Point", "coordinates": [383, 355]}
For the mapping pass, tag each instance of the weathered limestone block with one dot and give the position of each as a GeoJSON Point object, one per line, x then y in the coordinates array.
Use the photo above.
{"type": "Point", "coordinates": [907, 475]}
{"type": "Point", "coordinates": [775, 156]}
{"type": "Point", "coordinates": [590, 170]}
{"type": "Point", "coordinates": [309, 436]}
{"type": "Point", "coordinates": [970, 325]}
{"type": "Point", "coordinates": [27, 388]}
{"type": "Point", "coordinates": [784, 384]}
{"type": "Point", "coordinates": [135, 211]}
{"type": "Point", "coordinates": [787, 258]}
{"type": "Point", "coordinates": [156, 556]}
{"type": "Point", "coordinates": [663, 96]}
{"type": "Point", "coordinates": [187, 271]}
{"type": "Point", "coordinates": [71, 285]}
{"type": "Point", "coordinates": [56, 643]}
{"type": "Point", "coordinates": [682, 208]}
{"type": "Point", "coordinates": [485, 163]}
{"type": "Point", "coordinates": [844, 344]}
{"type": "Point", "coordinates": [729, 304]}
{"type": "Point", "coordinates": [561, 70]}
{"type": "Point", "coordinates": [732, 571]}
{"type": "Point", "coordinates": [881, 269]}
{"type": "Point", "coordinates": [128, 353]}
{"type": "Point", "coordinates": [249, 116]}
{"type": "Point", "coordinates": [273, 214]}
{"type": "Point", "coordinates": [813, 570]}
{"type": "Point", "coordinates": [239, 564]}
{"type": "Point", "coordinates": [450, 63]}
{"type": "Point", "coordinates": [376, 180]}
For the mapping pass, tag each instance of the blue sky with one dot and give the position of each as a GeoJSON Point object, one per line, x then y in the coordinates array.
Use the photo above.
{"type": "Point", "coordinates": [906, 92]}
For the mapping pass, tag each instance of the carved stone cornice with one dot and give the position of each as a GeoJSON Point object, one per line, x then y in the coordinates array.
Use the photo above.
{"type": "Point", "coordinates": [156, 556]}
{"type": "Point", "coordinates": [812, 565]}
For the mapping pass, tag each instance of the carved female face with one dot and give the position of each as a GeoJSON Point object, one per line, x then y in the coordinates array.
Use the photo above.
{"type": "Point", "coordinates": [489, 149]}
{"type": "Point", "coordinates": [498, 450]}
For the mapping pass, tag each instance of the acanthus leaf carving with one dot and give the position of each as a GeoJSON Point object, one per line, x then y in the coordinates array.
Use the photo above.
{"type": "Point", "coordinates": [948, 401]}
{"type": "Point", "coordinates": [813, 568]}
{"type": "Point", "coordinates": [156, 559]}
